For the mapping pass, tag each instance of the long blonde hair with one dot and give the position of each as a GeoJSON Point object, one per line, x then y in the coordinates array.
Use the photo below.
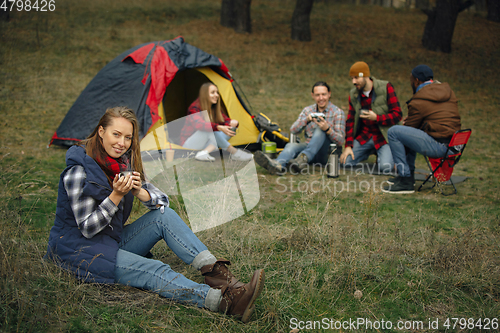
{"type": "Point", "coordinates": [214, 110]}
{"type": "Point", "coordinates": [93, 143]}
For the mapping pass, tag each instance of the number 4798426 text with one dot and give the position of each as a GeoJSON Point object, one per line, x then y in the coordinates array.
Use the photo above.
{"type": "Point", "coordinates": [28, 5]}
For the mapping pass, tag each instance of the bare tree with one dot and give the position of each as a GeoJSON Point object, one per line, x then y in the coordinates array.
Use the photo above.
{"type": "Point", "coordinates": [494, 10]}
{"type": "Point", "coordinates": [236, 14]}
{"type": "Point", "coordinates": [438, 31]}
{"type": "Point", "coordinates": [301, 26]}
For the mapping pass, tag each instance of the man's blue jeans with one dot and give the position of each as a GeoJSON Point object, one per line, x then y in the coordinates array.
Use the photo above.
{"type": "Point", "coordinates": [406, 142]}
{"type": "Point", "coordinates": [385, 160]}
{"type": "Point", "coordinates": [316, 150]}
{"type": "Point", "coordinates": [133, 269]}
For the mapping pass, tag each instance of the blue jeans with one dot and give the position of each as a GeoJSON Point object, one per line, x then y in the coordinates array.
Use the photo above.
{"type": "Point", "coordinates": [362, 152]}
{"type": "Point", "coordinates": [133, 269]}
{"type": "Point", "coordinates": [406, 142]}
{"type": "Point", "coordinates": [316, 150]}
{"type": "Point", "coordinates": [201, 139]}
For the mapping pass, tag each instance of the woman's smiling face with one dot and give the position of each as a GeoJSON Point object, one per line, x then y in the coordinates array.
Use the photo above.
{"type": "Point", "coordinates": [117, 137]}
{"type": "Point", "coordinates": [213, 94]}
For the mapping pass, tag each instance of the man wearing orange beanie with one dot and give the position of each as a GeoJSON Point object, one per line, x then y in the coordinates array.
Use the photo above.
{"type": "Point", "coordinates": [373, 109]}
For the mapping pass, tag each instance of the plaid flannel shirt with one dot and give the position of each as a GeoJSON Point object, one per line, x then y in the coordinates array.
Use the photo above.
{"type": "Point", "coordinates": [195, 122]}
{"type": "Point", "coordinates": [92, 217]}
{"type": "Point", "coordinates": [334, 116]}
{"type": "Point", "coordinates": [369, 128]}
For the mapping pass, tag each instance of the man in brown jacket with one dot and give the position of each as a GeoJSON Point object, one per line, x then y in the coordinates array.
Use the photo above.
{"type": "Point", "coordinates": [432, 120]}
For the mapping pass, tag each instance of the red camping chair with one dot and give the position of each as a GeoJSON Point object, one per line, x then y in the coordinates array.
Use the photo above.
{"type": "Point", "coordinates": [441, 168]}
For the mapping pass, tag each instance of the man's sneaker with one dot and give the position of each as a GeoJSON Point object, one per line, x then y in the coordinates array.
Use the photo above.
{"type": "Point", "coordinates": [270, 165]}
{"type": "Point", "coordinates": [298, 163]}
{"type": "Point", "coordinates": [204, 156]}
{"type": "Point", "coordinates": [402, 185]}
{"type": "Point", "coordinates": [393, 180]}
{"type": "Point", "coordinates": [240, 155]}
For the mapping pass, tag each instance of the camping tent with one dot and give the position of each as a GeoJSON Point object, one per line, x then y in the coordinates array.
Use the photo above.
{"type": "Point", "coordinates": [159, 81]}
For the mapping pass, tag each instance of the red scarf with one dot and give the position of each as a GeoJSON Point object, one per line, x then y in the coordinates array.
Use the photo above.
{"type": "Point", "coordinates": [112, 166]}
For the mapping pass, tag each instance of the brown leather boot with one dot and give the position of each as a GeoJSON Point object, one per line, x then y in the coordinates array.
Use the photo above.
{"type": "Point", "coordinates": [240, 301]}
{"type": "Point", "coordinates": [218, 275]}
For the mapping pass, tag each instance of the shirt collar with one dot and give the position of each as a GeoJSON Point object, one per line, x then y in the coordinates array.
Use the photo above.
{"type": "Point", "coordinates": [327, 106]}
{"type": "Point", "coordinates": [424, 84]}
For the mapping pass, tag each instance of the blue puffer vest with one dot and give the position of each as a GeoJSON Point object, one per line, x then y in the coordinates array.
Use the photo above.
{"type": "Point", "coordinates": [91, 260]}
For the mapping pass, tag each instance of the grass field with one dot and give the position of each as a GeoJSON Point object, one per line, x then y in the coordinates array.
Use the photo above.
{"type": "Point", "coordinates": [415, 258]}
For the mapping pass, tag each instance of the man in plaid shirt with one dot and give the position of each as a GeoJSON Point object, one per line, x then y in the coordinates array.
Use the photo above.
{"type": "Point", "coordinates": [319, 132]}
{"type": "Point", "coordinates": [373, 109]}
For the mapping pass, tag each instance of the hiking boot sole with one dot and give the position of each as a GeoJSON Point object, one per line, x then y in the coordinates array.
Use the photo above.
{"type": "Point", "coordinates": [264, 161]}
{"type": "Point", "coordinates": [398, 192]}
{"type": "Point", "coordinates": [258, 289]}
{"type": "Point", "coordinates": [392, 183]}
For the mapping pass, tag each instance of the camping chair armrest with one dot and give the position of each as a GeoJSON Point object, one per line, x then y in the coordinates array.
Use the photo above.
{"type": "Point", "coordinates": [459, 155]}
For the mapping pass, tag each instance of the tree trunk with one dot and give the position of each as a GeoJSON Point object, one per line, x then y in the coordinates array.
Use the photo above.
{"type": "Point", "coordinates": [438, 31]}
{"type": "Point", "coordinates": [301, 26]}
{"type": "Point", "coordinates": [227, 14]}
{"type": "Point", "coordinates": [494, 10]}
{"type": "Point", "coordinates": [236, 14]}
{"type": "Point", "coordinates": [243, 18]}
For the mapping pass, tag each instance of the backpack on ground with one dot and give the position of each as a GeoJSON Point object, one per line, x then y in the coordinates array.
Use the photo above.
{"type": "Point", "coordinates": [270, 131]}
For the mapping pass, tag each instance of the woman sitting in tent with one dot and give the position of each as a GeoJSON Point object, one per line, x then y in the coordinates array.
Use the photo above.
{"type": "Point", "coordinates": [206, 131]}
{"type": "Point", "coordinates": [90, 238]}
